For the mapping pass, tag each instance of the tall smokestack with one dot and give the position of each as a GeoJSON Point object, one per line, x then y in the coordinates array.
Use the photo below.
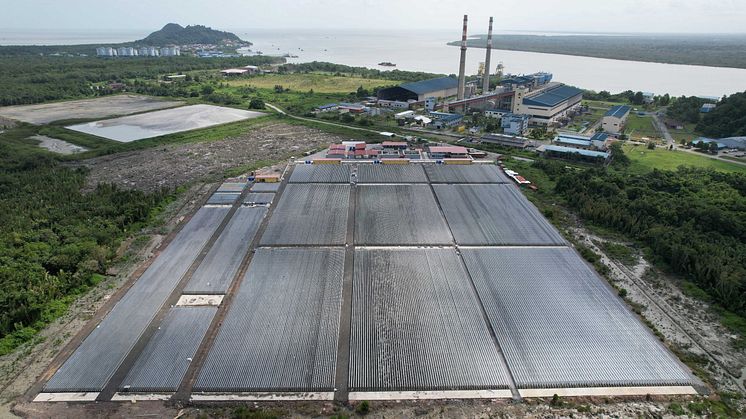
{"type": "Point", "coordinates": [486, 75]}
{"type": "Point", "coordinates": [462, 64]}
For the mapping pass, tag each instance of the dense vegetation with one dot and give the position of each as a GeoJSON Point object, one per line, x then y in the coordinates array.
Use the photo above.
{"type": "Point", "coordinates": [55, 240]}
{"type": "Point", "coordinates": [370, 73]}
{"type": "Point", "coordinates": [707, 50]}
{"type": "Point", "coordinates": [727, 120]}
{"type": "Point", "coordinates": [174, 34]}
{"type": "Point", "coordinates": [27, 79]}
{"type": "Point", "coordinates": [691, 219]}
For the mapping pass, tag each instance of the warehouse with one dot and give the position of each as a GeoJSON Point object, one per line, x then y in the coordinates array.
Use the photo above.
{"type": "Point", "coordinates": [420, 90]}
{"type": "Point", "coordinates": [548, 105]}
{"type": "Point", "coordinates": [615, 118]}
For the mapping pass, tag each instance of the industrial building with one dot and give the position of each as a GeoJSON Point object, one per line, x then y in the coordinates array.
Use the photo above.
{"type": "Point", "coordinates": [614, 120]}
{"type": "Point", "coordinates": [441, 120]}
{"type": "Point", "coordinates": [514, 124]}
{"type": "Point", "coordinates": [547, 105]}
{"type": "Point", "coordinates": [572, 153]}
{"type": "Point", "coordinates": [441, 87]}
{"type": "Point", "coordinates": [505, 140]}
{"type": "Point", "coordinates": [249, 69]}
{"type": "Point", "coordinates": [448, 152]}
{"type": "Point", "coordinates": [597, 142]}
{"type": "Point", "coordinates": [364, 281]}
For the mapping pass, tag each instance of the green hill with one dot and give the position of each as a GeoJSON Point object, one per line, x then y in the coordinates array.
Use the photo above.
{"type": "Point", "coordinates": [175, 34]}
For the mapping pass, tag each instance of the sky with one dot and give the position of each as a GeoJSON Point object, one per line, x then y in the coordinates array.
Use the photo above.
{"type": "Point", "coordinates": [646, 16]}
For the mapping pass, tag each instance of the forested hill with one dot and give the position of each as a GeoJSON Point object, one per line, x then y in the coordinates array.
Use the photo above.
{"type": "Point", "coordinates": [175, 34]}
{"type": "Point", "coordinates": [706, 50]}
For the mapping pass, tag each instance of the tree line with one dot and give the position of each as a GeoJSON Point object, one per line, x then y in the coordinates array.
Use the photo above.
{"type": "Point", "coordinates": [36, 79]}
{"type": "Point", "coordinates": [56, 240]}
{"type": "Point", "coordinates": [691, 219]}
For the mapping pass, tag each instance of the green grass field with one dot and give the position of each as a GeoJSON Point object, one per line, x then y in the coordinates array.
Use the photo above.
{"type": "Point", "coordinates": [644, 160]}
{"type": "Point", "coordinates": [319, 83]}
{"type": "Point", "coordinates": [641, 126]}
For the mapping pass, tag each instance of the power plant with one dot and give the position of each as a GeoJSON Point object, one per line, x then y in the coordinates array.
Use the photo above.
{"type": "Point", "coordinates": [462, 63]}
{"type": "Point", "coordinates": [486, 74]}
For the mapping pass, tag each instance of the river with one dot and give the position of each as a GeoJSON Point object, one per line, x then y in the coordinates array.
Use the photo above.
{"type": "Point", "coordinates": [427, 51]}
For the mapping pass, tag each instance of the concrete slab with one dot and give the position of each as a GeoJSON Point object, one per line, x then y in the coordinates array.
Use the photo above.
{"type": "Point", "coordinates": [430, 395]}
{"type": "Point", "coordinates": [608, 391]}
{"type": "Point", "coordinates": [199, 300]}
{"type": "Point", "coordinates": [154, 124]}
{"type": "Point", "coordinates": [66, 397]}
{"type": "Point", "coordinates": [128, 397]}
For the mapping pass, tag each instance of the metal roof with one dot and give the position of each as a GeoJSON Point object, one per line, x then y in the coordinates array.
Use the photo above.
{"type": "Point", "coordinates": [432, 85]}
{"type": "Point", "coordinates": [553, 97]}
{"type": "Point", "coordinates": [390, 173]}
{"type": "Point", "coordinates": [164, 361]}
{"type": "Point", "coordinates": [472, 173]}
{"type": "Point", "coordinates": [93, 363]}
{"type": "Point", "coordinates": [494, 215]}
{"type": "Point", "coordinates": [576, 141]}
{"type": "Point", "coordinates": [309, 214]}
{"type": "Point", "coordinates": [320, 173]}
{"type": "Point", "coordinates": [218, 268]}
{"type": "Point", "coordinates": [417, 324]}
{"type": "Point", "coordinates": [618, 111]}
{"type": "Point", "coordinates": [449, 149]}
{"type": "Point", "coordinates": [282, 328]}
{"type": "Point", "coordinates": [600, 136]}
{"type": "Point", "coordinates": [589, 153]}
{"type": "Point", "coordinates": [560, 325]}
{"type": "Point", "coordinates": [399, 215]}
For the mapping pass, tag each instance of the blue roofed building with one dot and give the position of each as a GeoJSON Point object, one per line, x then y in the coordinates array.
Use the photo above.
{"type": "Point", "coordinates": [707, 107]}
{"type": "Point", "coordinates": [597, 142]}
{"type": "Point", "coordinates": [615, 119]}
{"type": "Point", "coordinates": [546, 106]}
{"type": "Point", "coordinates": [574, 154]}
{"type": "Point", "coordinates": [420, 90]}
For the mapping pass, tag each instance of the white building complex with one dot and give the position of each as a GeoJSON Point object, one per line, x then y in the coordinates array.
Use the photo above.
{"type": "Point", "coordinates": [546, 106]}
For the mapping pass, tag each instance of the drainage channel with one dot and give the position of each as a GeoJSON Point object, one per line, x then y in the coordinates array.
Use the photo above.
{"type": "Point", "coordinates": [342, 391]}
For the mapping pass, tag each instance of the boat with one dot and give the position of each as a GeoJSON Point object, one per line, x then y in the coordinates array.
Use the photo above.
{"type": "Point", "coordinates": [387, 64]}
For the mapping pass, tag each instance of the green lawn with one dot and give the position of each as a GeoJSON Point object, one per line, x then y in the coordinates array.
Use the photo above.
{"type": "Point", "coordinates": [644, 160]}
{"type": "Point", "coordinates": [641, 126]}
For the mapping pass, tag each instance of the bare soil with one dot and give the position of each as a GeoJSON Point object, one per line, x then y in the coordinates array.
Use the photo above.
{"type": "Point", "coordinates": [85, 109]}
{"type": "Point", "coordinates": [56, 145]}
{"type": "Point", "coordinates": [689, 326]}
{"type": "Point", "coordinates": [174, 165]}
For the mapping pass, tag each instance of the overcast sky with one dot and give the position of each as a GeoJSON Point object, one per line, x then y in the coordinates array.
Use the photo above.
{"type": "Point", "coordinates": [678, 16]}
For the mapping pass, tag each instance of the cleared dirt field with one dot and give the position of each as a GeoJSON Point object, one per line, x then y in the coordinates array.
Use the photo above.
{"type": "Point", "coordinates": [169, 121]}
{"type": "Point", "coordinates": [85, 109]}
{"type": "Point", "coordinates": [171, 166]}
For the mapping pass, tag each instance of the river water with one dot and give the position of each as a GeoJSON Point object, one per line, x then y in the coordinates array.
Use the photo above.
{"type": "Point", "coordinates": [427, 51]}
